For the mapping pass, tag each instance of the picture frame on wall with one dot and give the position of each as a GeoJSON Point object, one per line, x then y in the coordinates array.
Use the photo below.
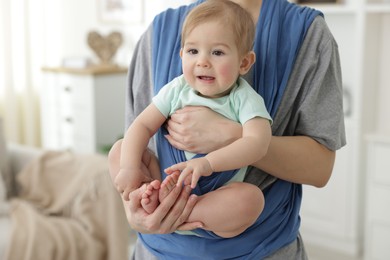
{"type": "Point", "coordinates": [121, 11]}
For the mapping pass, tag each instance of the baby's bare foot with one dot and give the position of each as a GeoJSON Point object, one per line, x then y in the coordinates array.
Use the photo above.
{"type": "Point", "coordinates": [168, 185]}
{"type": "Point", "coordinates": [150, 200]}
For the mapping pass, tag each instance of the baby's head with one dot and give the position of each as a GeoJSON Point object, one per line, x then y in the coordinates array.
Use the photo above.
{"type": "Point", "coordinates": [232, 15]}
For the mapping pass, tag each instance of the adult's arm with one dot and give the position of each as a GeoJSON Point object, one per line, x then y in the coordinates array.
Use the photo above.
{"type": "Point", "coordinates": [298, 159]}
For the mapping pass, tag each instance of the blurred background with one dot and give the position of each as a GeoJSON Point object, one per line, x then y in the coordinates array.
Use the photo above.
{"type": "Point", "coordinates": [52, 96]}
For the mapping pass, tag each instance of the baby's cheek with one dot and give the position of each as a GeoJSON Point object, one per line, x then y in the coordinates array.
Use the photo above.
{"type": "Point", "coordinates": [187, 74]}
{"type": "Point", "coordinates": [227, 72]}
{"type": "Point", "coordinates": [186, 70]}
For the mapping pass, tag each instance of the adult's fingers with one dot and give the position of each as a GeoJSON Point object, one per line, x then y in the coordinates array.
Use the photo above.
{"type": "Point", "coordinates": [163, 215]}
{"type": "Point", "coordinates": [186, 226]}
{"type": "Point", "coordinates": [188, 109]}
{"type": "Point", "coordinates": [181, 222]}
{"type": "Point", "coordinates": [168, 216]}
{"type": "Point", "coordinates": [146, 223]}
{"type": "Point", "coordinates": [174, 142]}
{"type": "Point", "coordinates": [180, 211]}
{"type": "Point", "coordinates": [136, 215]}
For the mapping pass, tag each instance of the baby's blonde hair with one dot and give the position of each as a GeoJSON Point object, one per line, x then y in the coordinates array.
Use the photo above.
{"type": "Point", "coordinates": [228, 13]}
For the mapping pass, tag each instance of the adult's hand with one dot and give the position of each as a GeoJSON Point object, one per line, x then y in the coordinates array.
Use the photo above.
{"type": "Point", "coordinates": [200, 130]}
{"type": "Point", "coordinates": [169, 216]}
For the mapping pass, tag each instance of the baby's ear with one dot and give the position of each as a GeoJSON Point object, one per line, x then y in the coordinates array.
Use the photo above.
{"type": "Point", "coordinates": [181, 53]}
{"type": "Point", "coordinates": [247, 61]}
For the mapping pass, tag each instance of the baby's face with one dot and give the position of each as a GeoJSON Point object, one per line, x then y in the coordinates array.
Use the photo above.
{"type": "Point", "coordinates": [211, 61]}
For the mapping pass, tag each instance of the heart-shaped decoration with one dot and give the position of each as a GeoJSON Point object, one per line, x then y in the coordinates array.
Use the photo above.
{"type": "Point", "coordinates": [104, 47]}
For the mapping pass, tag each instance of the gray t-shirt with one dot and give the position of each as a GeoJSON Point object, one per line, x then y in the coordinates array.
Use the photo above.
{"type": "Point", "coordinates": [313, 109]}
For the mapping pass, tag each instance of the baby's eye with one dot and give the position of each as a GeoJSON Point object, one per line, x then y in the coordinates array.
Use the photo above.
{"type": "Point", "coordinates": [218, 53]}
{"type": "Point", "coordinates": [192, 51]}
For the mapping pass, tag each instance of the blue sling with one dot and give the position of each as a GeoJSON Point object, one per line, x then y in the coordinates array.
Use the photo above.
{"type": "Point", "coordinates": [280, 31]}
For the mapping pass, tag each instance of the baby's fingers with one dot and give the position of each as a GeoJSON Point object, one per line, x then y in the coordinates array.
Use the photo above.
{"type": "Point", "coordinates": [194, 180]}
{"type": "Point", "coordinates": [174, 168]}
{"type": "Point", "coordinates": [187, 181]}
{"type": "Point", "coordinates": [183, 175]}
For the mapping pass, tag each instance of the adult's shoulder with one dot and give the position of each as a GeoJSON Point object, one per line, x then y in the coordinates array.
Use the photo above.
{"type": "Point", "coordinates": [319, 33]}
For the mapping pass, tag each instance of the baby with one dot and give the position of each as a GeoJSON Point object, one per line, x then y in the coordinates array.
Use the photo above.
{"type": "Point", "coordinates": [217, 40]}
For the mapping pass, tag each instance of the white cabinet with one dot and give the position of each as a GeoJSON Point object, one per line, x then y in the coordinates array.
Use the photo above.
{"type": "Point", "coordinates": [377, 224]}
{"type": "Point", "coordinates": [334, 217]}
{"type": "Point", "coordinates": [82, 109]}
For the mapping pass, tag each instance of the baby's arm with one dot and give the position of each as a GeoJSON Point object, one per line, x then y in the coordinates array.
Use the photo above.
{"type": "Point", "coordinates": [132, 173]}
{"type": "Point", "coordinates": [250, 148]}
{"type": "Point", "coordinates": [243, 152]}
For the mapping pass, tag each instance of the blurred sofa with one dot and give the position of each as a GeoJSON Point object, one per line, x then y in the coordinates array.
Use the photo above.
{"type": "Point", "coordinates": [58, 205]}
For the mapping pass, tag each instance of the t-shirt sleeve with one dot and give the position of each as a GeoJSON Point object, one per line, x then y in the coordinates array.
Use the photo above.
{"type": "Point", "coordinates": [312, 104]}
{"type": "Point", "coordinates": [139, 91]}
{"type": "Point", "coordinates": [321, 113]}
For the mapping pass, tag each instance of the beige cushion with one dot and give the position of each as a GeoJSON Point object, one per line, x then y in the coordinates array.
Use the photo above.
{"type": "Point", "coordinates": [5, 170]}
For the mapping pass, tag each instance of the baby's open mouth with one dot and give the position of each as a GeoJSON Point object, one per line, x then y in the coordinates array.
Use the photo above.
{"type": "Point", "coordinates": [206, 78]}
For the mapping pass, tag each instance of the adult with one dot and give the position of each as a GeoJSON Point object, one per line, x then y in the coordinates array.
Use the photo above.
{"type": "Point", "coordinates": [298, 74]}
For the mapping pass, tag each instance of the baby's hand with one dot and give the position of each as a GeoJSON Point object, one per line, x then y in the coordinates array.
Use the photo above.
{"type": "Point", "coordinates": [194, 169]}
{"type": "Point", "coordinates": [128, 180]}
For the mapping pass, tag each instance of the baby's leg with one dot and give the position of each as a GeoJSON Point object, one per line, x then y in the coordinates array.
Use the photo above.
{"type": "Point", "coordinates": [229, 210]}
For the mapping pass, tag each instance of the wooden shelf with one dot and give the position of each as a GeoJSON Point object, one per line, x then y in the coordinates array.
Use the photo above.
{"type": "Point", "coordinates": [91, 70]}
